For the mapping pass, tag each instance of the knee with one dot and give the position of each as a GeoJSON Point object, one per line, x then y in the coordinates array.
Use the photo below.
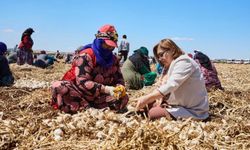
{"type": "Point", "coordinates": [157, 112]}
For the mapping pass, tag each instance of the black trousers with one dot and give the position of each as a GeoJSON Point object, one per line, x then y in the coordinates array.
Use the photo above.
{"type": "Point", "coordinates": [124, 55]}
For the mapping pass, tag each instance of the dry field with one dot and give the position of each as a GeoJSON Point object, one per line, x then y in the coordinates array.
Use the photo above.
{"type": "Point", "coordinates": [27, 121]}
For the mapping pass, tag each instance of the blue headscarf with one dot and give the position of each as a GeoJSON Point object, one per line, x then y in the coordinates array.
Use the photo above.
{"type": "Point", "coordinates": [104, 57]}
{"type": "Point", "coordinates": [3, 48]}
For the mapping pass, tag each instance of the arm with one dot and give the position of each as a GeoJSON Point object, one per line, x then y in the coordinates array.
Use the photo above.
{"type": "Point", "coordinates": [147, 99]}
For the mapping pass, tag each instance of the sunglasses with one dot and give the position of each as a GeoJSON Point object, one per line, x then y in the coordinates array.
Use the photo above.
{"type": "Point", "coordinates": [108, 35]}
{"type": "Point", "coordinates": [163, 54]}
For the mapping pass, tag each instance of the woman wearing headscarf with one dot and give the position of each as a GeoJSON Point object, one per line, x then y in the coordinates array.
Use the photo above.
{"type": "Point", "coordinates": [6, 78]}
{"type": "Point", "coordinates": [94, 79]}
{"type": "Point", "coordinates": [25, 52]}
{"type": "Point", "coordinates": [136, 70]}
{"type": "Point", "coordinates": [208, 70]}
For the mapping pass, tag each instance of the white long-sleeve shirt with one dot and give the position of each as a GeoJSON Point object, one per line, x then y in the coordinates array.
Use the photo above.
{"type": "Point", "coordinates": [186, 85]}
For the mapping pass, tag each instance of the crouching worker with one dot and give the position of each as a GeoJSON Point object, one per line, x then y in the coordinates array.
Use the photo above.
{"type": "Point", "coordinates": [95, 79]}
{"type": "Point", "coordinates": [43, 60]}
{"type": "Point", "coordinates": [136, 70]}
{"type": "Point", "coordinates": [6, 78]}
{"type": "Point", "coordinates": [208, 70]}
{"type": "Point", "coordinates": [182, 93]}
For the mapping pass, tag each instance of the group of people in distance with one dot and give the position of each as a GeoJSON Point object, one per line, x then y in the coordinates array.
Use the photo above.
{"type": "Point", "coordinates": [96, 78]}
{"type": "Point", "coordinates": [24, 54]}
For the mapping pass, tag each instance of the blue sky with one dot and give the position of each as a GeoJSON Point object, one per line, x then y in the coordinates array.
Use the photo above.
{"type": "Point", "coordinates": [219, 28]}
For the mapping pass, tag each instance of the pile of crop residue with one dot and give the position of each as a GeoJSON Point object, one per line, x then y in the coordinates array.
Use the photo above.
{"type": "Point", "coordinates": [27, 121]}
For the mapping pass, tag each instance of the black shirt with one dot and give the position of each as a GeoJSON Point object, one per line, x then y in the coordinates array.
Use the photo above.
{"type": "Point", "coordinates": [4, 67]}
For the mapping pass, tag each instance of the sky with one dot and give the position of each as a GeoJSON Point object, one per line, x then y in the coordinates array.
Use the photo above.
{"type": "Point", "coordinates": [219, 28]}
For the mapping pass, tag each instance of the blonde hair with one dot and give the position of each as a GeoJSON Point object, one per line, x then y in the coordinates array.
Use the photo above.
{"type": "Point", "coordinates": [168, 45]}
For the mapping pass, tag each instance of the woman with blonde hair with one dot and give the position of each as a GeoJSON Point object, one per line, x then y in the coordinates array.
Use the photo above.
{"type": "Point", "coordinates": [182, 93]}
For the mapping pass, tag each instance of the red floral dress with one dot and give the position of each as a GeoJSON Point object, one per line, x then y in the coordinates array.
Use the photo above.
{"type": "Point", "coordinates": [86, 88]}
{"type": "Point", "coordinates": [211, 77]}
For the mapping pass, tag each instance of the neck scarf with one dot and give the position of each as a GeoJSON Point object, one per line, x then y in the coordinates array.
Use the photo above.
{"type": "Point", "coordinates": [104, 57]}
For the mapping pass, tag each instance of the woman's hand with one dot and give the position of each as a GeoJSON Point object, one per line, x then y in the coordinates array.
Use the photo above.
{"type": "Point", "coordinates": [118, 92]}
{"type": "Point", "coordinates": [59, 101]}
{"type": "Point", "coordinates": [141, 102]}
{"type": "Point", "coordinates": [147, 99]}
{"type": "Point", "coordinates": [158, 102]}
{"type": "Point", "coordinates": [109, 90]}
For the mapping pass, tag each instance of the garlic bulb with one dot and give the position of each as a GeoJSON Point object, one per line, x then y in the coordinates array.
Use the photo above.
{"type": "Point", "coordinates": [57, 137]}
{"type": "Point", "coordinates": [58, 132]}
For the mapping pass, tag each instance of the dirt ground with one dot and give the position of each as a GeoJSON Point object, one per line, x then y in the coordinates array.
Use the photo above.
{"type": "Point", "coordinates": [27, 121]}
